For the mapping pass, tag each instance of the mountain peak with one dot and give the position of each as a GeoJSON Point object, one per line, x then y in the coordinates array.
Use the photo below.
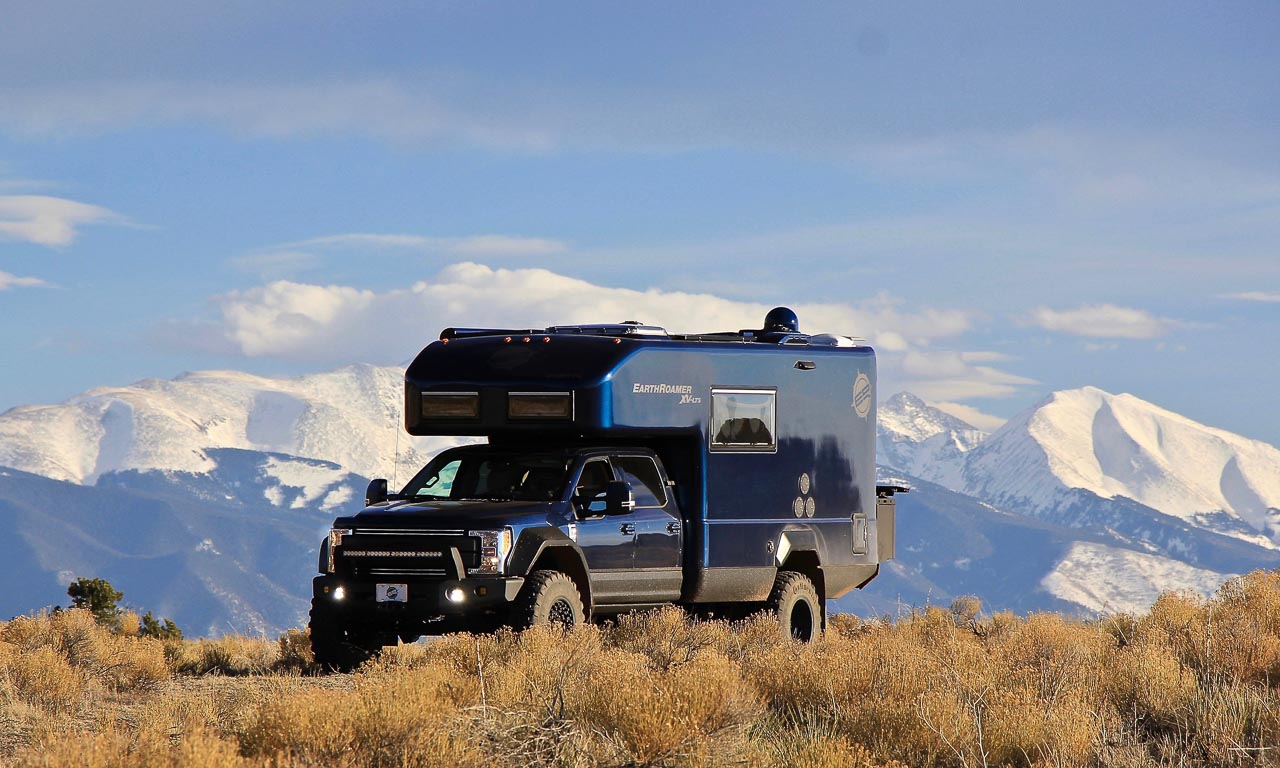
{"type": "Point", "coordinates": [1121, 446]}
{"type": "Point", "coordinates": [351, 416]}
{"type": "Point", "coordinates": [922, 440]}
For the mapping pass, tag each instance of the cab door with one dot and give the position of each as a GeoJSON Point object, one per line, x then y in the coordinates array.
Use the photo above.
{"type": "Point", "coordinates": [659, 533]}
{"type": "Point", "coordinates": [606, 541]}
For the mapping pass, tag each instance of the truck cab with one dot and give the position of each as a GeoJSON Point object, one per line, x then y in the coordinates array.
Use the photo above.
{"type": "Point", "coordinates": [624, 468]}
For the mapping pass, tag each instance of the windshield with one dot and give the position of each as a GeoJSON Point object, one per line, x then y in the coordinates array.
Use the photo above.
{"type": "Point", "coordinates": [490, 476]}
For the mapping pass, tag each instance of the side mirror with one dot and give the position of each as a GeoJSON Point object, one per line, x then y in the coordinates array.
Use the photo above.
{"type": "Point", "coordinates": [618, 498]}
{"type": "Point", "coordinates": [376, 493]}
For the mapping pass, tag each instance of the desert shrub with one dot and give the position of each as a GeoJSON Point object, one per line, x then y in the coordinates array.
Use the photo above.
{"type": "Point", "coordinates": [121, 663]}
{"type": "Point", "coordinates": [228, 655]}
{"type": "Point", "coordinates": [1243, 634]}
{"type": "Point", "coordinates": [1178, 621]}
{"type": "Point", "coordinates": [111, 748]}
{"type": "Point", "coordinates": [665, 637]}
{"type": "Point", "coordinates": [1147, 685]}
{"type": "Point", "coordinates": [811, 744]}
{"type": "Point", "coordinates": [401, 717]}
{"type": "Point", "coordinates": [43, 679]}
{"type": "Point", "coordinates": [966, 611]}
{"type": "Point", "coordinates": [657, 715]}
{"type": "Point", "coordinates": [294, 651]}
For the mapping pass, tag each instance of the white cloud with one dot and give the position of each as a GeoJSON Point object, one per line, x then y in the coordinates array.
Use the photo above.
{"type": "Point", "coordinates": [475, 245]}
{"type": "Point", "coordinates": [8, 281]}
{"type": "Point", "coordinates": [302, 255]}
{"type": "Point", "coordinates": [1106, 321]}
{"type": "Point", "coordinates": [387, 109]}
{"type": "Point", "coordinates": [335, 323]}
{"type": "Point", "coordinates": [977, 418]}
{"type": "Point", "coordinates": [44, 220]}
{"type": "Point", "coordinates": [1253, 296]}
{"type": "Point", "coordinates": [276, 264]}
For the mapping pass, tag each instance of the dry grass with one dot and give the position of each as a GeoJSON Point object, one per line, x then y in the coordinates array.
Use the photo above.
{"type": "Point", "coordinates": [1193, 682]}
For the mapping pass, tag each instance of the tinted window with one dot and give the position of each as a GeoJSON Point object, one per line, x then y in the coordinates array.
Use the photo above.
{"type": "Point", "coordinates": [491, 475]}
{"type": "Point", "coordinates": [590, 489]}
{"type": "Point", "coordinates": [646, 482]}
{"type": "Point", "coordinates": [743, 420]}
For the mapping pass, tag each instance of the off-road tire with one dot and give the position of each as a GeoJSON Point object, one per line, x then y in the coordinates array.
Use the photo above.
{"type": "Point", "coordinates": [548, 597]}
{"type": "Point", "coordinates": [335, 648]}
{"type": "Point", "coordinates": [794, 600]}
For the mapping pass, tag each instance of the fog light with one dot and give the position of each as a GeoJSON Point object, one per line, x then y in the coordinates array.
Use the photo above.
{"type": "Point", "coordinates": [482, 591]}
{"type": "Point", "coordinates": [339, 593]}
{"type": "Point", "coordinates": [456, 595]}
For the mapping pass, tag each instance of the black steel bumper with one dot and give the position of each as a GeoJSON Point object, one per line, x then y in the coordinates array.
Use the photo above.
{"type": "Point", "coordinates": [426, 599]}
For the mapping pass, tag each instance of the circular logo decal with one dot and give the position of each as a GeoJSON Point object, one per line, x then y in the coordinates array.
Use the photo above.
{"type": "Point", "coordinates": [797, 507]}
{"type": "Point", "coordinates": [810, 507]}
{"type": "Point", "coordinates": [862, 395]}
{"type": "Point", "coordinates": [804, 484]}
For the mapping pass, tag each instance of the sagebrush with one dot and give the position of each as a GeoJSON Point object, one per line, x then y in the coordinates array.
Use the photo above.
{"type": "Point", "coordinates": [1193, 682]}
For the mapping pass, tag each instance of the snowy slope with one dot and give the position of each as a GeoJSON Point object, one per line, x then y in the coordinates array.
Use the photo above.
{"type": "Point", "coordinates": [1117, 447]}
{"type": "Point", "coordinates": [350, 417]}
{"type": "Point", "coordinates": [1111, 579]}
{"type": "Point", "coordinates": [916, 438]}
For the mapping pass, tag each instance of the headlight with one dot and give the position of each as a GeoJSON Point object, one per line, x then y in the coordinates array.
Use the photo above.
{"type": "Point", "coordinates": [494, 548]}
{"type": "Point", "coordinates": [335, 541]}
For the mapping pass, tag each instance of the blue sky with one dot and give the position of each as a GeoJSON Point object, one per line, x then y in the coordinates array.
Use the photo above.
{"type": "Point", "coordinates": [1006, 199]}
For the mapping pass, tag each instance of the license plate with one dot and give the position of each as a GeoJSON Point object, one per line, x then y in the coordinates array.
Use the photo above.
{"type": "Point", "coordinates": [392, 593]}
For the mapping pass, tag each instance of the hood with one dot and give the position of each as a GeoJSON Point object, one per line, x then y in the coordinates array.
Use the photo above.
{"type": "Point", "coordinates": [454, 514]}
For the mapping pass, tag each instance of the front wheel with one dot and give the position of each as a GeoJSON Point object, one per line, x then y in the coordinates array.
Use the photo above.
{"type": "Point", "coordinates": [548, 597]}
{"type": "Point", "coordinates": [336, 649]}
{"type": "Point", "coordinates": [794, 600]}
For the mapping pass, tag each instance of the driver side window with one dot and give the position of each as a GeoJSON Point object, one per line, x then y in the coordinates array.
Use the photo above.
{"type": "Point", "coordinates": [589, 492]}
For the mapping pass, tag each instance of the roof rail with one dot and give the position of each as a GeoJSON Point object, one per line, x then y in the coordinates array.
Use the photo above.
{"type": "Point", "coordinates": [628, 328]}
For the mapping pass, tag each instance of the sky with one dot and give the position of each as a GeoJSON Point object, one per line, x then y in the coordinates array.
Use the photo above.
{"type": "Point", "coordinates": [1006, 199]}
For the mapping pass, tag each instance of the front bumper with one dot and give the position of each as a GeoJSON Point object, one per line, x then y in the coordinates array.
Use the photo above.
{"type": "Point", "coordinates": [427, 599]}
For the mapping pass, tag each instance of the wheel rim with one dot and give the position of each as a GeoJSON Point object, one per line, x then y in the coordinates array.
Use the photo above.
{"type": "Point", "coordinates": [801, 621]}
{"type": "Point", "coordinates": [561, 613]}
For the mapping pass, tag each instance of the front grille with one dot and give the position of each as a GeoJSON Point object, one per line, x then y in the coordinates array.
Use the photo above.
{"type": "Point", "coordinates": [420, 573]}
{"type": "Point", "coordinates": [404, 553]}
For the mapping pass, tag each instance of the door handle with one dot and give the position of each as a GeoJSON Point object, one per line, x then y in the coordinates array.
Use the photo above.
{"type": "Point", "coordinates": [673, 527]}
{"type": "Point", "coordinates": [628, 528]}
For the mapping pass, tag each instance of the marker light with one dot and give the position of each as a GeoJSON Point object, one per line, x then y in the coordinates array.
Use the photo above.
{"type": "Point", "coordinates": [339, 593]}
{"type": "Point", "coordinates": [456, 595]}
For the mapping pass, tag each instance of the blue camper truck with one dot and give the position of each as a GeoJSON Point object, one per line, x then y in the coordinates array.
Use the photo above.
{"type": "Point", "coordinates": [625, 468]}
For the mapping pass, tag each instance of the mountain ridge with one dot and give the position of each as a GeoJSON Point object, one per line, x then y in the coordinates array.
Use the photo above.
{"type": "Point", "coordinates": [215, 488]}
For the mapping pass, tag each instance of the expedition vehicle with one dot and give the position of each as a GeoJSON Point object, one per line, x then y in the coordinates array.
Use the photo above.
{"type": "Point", "coordinates": [625, 468]}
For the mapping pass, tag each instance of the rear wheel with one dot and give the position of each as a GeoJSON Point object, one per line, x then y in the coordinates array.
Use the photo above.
{"type": "Point", "coordinates": [548, 597]}
{"type": "Point", "coordinates": [794, 600]}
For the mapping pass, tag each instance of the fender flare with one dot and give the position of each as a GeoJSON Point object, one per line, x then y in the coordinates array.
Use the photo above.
{"type": "Point", "coordinates": [793, 540]}
{"type": "Point", "coordinates": [533, 543]}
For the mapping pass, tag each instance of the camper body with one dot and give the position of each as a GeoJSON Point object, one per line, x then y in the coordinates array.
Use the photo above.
{"type": "Point", "coordinates": [624, 468]}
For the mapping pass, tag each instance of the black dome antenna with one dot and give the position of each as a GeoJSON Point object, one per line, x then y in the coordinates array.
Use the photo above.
{"type": "Point", "coordinates": [781, 320]}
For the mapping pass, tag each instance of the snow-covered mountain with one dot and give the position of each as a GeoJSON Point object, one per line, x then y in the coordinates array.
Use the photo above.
{"type": "Point", "coordinates": [204, 497]}
{"type": "Point", "coordinates": [1154, 500]}
{"type": "Point", "coordinates": [350, 417]}
{"type": "Point", "coordinates": [1080, 446]}
{"type": "Point", "coordinates": [916, 438]}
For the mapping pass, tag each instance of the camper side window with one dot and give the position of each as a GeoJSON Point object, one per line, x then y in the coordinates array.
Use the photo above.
{"type": "Point", "coordinates": [744, 420]}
